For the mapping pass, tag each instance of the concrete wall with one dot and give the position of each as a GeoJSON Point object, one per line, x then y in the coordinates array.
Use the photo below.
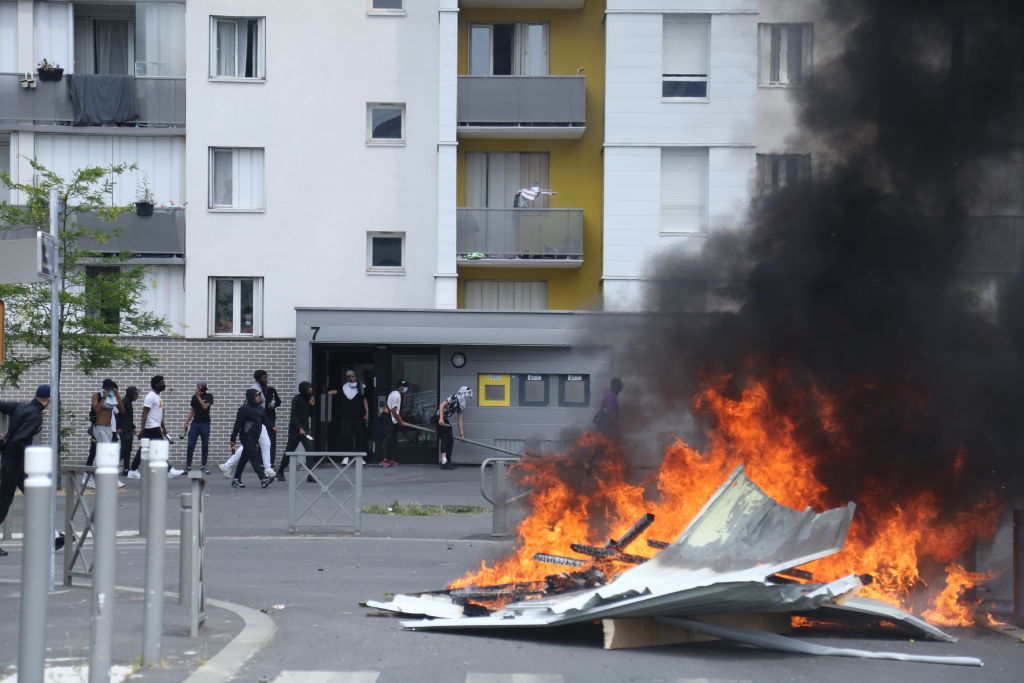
{"type": "Point", "coordinates": [227, 365]}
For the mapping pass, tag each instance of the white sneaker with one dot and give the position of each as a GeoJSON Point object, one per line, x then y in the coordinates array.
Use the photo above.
{"type": "Point", "coordinates": [269, 471]}
{"type": "Point", "coordinates": [91, 484]}
{"type": "Point", "coordinates": [134, 474]}
{"type": "Point", "coordinates": [345, 461]}
{"type": "Point", "coordinates": [120, 484]}
{"type": "Point", "coordinates": [174, 472]}
{"type": "Point", "coordinates": [225, 470]}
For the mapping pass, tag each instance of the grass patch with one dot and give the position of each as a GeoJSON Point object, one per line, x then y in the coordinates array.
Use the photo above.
{"type": "Point", "coordinates": [419, 510]}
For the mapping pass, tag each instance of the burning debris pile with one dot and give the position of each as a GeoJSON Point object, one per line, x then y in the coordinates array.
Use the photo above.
{"type": "Point", "coordinates": [739, 555]}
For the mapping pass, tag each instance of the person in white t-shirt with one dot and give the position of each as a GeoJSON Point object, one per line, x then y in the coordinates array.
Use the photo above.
{"type": "Point", "coordinates": [152, 419]}
{"type": "Point", "coordinates": [392, 420]}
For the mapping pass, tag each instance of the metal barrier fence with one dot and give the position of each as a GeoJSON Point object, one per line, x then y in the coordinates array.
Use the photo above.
{"type": "Point", "coordinates": [325, 490]}
{"type": "Point", "coordinates": [501, 496]}
{"type": "Point", "coordinates": [79, 516]}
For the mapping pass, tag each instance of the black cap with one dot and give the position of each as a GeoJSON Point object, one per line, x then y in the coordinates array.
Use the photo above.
{"type": "Point", "coordinates": [402, 383]}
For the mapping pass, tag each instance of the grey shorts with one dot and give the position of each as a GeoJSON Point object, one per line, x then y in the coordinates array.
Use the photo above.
{"type": "Point", "coordinates": [103, 433]}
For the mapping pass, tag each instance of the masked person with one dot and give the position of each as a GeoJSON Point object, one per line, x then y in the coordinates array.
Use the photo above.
{"type": "Point", "coordinates": [298, 425]}
{"type": "Point", "coordinates": [248, 425]}
{"type": "Point", "coordinates": [391, 421]}
{"type": "Point", "coordinates": [26, 421]}
{"type": "Point", "coordinates": [199, 415]}
{"type": "Point", "coordinates": [453, 405]}
{"type": "Point", "coordinates": [355, 413]}
{"type": "Point", "coordinates": [125, 420]}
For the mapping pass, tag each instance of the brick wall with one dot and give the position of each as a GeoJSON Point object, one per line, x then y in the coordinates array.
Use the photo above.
{"type": "Point", "coordinates": [226, 364]}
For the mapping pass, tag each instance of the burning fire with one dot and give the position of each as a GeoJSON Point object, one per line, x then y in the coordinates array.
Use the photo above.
{"type": "Point", "coordinates": [583, 496]}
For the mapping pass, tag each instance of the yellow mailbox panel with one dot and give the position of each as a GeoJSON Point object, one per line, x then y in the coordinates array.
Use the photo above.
{"type": "Point", "coordinates": [495, 390]}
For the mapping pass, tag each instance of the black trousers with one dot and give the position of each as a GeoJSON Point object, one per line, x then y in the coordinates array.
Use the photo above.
{"type": "Point", "coordinates": [153, 434]}
{"type": "Point", "coordinates": [12, 477]}
{"type": "Point", "coordinates": [127, 438]}
{"type": "Point", "coordinates": [446, 440]}
{"type": "Point", "coordinates": [389, 444]}
{"type": "Point", "coordinates": [251, 455]}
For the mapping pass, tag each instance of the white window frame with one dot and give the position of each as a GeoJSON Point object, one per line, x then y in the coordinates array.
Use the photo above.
{"type": "Point", "coordinates": [766, 57]}
{"type": "Point", "coordinates": [669, 70]}
{"type": "Point", "coordinates": [261, 49]}
{"type": "Point", "coordinates": [370, 108]}
{"type": "Point", "coordinates": [670, 175]}
{"type": "Point", "coordinates": [371, 8]}
{"type": "Point", "coordinates": [772, 167]}
{"type": "Point", "coordinates": [257, 176]}
{"type": "Point", "coordinates": [257, 307]}
{"type": "Point", "coordinates": [392, 270]}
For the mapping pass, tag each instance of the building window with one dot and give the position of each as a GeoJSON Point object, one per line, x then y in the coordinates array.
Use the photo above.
{"type": "Point", "coordinates": [236, 178]}
{"type": "Point", "coordinates": [494, 179]}
{"type": "Point", "coordinates": [236, 305]}
{"type": "Point", "coordinates": [785, 54]}
{"type": "Point", "coordinates": [237, 47]}
{"type": "Point", "coordinates": [385, 251]}
{"type": "Point", "coordinates": [573, 391]}
{"type": "Point", "coordinates": [101, 297]}
{"type": "Point", "coordinates": [685, 46]}
{"type": "Point", "coordinates": [385, 123]}
{"type": "Point", "coordinates": [684, 187]}
{"type": "Point", "coordinates": [775, 171]}
{"type": "Point", "coordinates": [386, 6]}
{"type": "Point", "coordinates": [506, 295]}
{"type": "Point", "coordinates": [494, 390]}
{"type": "Point", "coordinates": [513, 49]}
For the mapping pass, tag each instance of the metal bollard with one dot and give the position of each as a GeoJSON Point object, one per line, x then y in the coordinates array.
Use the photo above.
{"type": "Point", "coordinates": [35, 562]}
{"type": "Point", "coordinates": [104, 530]}
{"type": "Point", "coordinates": [185, 548]}
{"type": "Point", "coordinates": [1018, 564]}
{"type": "Point", "coordinates": [156, 530]}
{"type": "Point", "coordinates": [143, 474]}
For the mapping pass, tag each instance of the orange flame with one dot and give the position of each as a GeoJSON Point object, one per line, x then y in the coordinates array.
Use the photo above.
{"type": "Point", "coordinates": [584, 496]}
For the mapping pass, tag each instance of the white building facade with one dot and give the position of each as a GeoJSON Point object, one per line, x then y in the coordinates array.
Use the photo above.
{"type": "Point", "coordinates": [680, 133]}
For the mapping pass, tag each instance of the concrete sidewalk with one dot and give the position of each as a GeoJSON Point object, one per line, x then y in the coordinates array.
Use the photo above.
{"type": "Point", "coordinates": [239, 521]}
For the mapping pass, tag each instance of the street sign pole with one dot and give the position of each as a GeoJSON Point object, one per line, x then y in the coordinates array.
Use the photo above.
{"type": "Point", "coordinates": [54, 378]}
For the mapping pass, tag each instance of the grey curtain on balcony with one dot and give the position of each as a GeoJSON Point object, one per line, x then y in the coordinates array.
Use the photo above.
{"type": "Point", "coordinates": [105, 99]}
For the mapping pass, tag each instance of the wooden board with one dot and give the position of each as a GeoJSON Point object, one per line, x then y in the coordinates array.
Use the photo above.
{"type": "Point", "coordinates": [646, 632]}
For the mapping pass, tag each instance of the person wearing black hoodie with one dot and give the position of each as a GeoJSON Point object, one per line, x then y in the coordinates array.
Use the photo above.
{"type": "Point", "coordinates": [249, 422]}
{"type": "Point", "coordinates": [26, 421]}
{"type": "Point", "coordinates": [126, 427]}
{"type": "Point", "coordinates": [298, 426]}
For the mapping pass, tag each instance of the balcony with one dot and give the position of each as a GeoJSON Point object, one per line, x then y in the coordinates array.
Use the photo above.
{"type": "Point", "coordinates": [534, 238]}
{"type": "Point", "coordinates": [161, 103]}
{"type": "Point", "coordinates": [156, 238]}
{"type": "Point", "coordinates": [522, 106]}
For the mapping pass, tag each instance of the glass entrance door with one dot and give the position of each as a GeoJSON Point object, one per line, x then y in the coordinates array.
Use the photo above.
{"type": "Point", "coordinates": [420, 368]}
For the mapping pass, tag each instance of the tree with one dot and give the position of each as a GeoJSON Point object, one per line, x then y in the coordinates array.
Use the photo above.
{"type": "Point", "coordinates": [100, 297]}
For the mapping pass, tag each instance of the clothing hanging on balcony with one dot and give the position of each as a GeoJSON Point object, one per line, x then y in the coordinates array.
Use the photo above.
{"type": "Point", "coordinates": [103, 99]}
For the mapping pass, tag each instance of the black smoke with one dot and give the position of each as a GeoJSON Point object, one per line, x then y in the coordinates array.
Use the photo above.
{"type": "Point", "coordinates": [865, 284]}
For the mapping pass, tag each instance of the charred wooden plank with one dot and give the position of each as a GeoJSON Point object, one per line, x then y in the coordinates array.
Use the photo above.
{"type": "Point", "coordinates": [558, 559]}
{"type": "Point", "coordinates": [570, 581]}
{"type": "Point", "coordinates": [637, 529]}
{"type": "Point", "coordinates": [592, 550]}
{"type": "Point", "coordinates": [631, 559]}
{"type": "Point", "coordinates": [797, 573]}
{"type": "Point", "coordinates": [660, 545]}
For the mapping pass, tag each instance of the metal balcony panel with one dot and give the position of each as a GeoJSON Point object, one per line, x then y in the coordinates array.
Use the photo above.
{"type": "Point", "coordinates": [522, 106]}
{"type": "Point", "coordinates": [522, 4]}
{"type": "Point", "coordinates": [161, 235]}
{"type": "Point", "coordinates": [544, 238]}
{"type": "Point", "coordinates": [161, 103]}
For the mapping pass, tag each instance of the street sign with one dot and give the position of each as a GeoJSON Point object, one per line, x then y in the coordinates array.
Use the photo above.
{"type": "Point", "coordinates": [23, 261]}
{"type": "Point", "coordinates": [46, 255]}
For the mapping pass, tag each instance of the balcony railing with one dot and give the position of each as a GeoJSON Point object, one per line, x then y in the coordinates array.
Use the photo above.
{"type": "Point", "coordinates": [522, 106]}
{"type": "Point", "coordinates": [541, 237]}
{"type": "Point", "coordinates": [161, 102]}
{"type": "Point", "coordinates": [522, 4]}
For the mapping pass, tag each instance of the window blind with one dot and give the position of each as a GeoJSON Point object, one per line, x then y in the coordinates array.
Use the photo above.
{"type": "Point", "coordinates": [685, 45]}
{"type": "Point", "coordinates": [684, 176]}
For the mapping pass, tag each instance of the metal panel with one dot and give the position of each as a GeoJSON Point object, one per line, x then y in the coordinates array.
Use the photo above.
{"type": "Point", "coordinates": [161, 234]}
{"type": "Point", "coordinates": [541, 101]}
{"type": "Point", "coordinates": [534, 234]}
{"type": "Point", "coordinates": [161, 102]}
